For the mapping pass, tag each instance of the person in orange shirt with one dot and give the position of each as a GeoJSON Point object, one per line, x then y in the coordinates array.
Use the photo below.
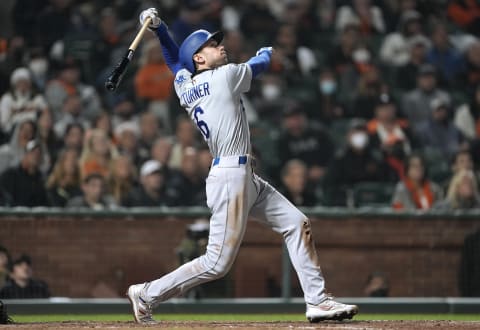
{"type": "Point", "coordinates": [153, 82]}
{"type": "Point", "coordinates": [416, 191]}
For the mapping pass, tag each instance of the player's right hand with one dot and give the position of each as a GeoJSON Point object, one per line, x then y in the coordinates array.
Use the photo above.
{"type": "Point", "coordinates": [150, 12]}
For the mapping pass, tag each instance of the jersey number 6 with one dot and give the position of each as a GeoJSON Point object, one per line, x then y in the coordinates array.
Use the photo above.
{"type": "Point", "coordinates": [202, 126]}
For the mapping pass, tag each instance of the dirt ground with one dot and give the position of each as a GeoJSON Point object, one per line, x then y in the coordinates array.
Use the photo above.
{"type": "Point", "coordinates": [350, 325]}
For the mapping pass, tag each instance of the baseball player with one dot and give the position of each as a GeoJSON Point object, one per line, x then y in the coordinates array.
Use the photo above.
{"type": "Point", "coordinates": [211, 90]}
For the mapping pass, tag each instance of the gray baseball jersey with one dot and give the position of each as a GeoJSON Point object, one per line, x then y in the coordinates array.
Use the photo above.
{"type": "Point", "coordinates": [213, 100]}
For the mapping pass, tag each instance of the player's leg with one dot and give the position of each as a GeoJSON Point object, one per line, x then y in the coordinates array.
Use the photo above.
{"type": "Point", "coordinates": [283, 217]}
{"type": "Point", "coordinates": [228, 198]}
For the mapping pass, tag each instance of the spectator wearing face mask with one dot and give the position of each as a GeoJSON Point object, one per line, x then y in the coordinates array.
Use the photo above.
{"type": "Point", "coordinates": [358, 162]}
{"type": "Point", "coordinates": [327, 108]}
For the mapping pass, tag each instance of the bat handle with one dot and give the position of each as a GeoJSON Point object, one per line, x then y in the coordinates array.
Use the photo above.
{"type": "Point", "coordinates": [140, 34]}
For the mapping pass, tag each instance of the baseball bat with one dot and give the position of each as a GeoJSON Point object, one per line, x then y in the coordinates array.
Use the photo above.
{"type": "Point", "coordinates": [116, 76]}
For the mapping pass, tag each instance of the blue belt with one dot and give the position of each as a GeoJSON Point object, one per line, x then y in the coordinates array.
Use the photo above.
{"type": "Point", "coordinates": [242, 160]}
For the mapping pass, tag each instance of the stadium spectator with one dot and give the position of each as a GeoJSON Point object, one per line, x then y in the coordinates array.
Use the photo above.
{"type": "Point", "coordinates": [369, 165]}
{"type": "Point", "coordinates": [39, 68]}
{"type": "Point", "coordinates": [5, 265]}
{"type": "Point", "coordinates": [123, 178]}
{"type": "Point", "coordinates": [444, 56]}
{"type": "Point", "coordinates": [24, 183]}
{"type": "Point", "coordinates": [416, 104]}
{"type": "Point", "coordinates": [124, 110]}
{"type": "Point", "coordinates": [415, 191]}
{"type": "Point", "coordinates": [149, 132]}
{"type": "Point", "coordinates": [462, 161]}
{"type": "Point", "coordinates": [390, 134]}
{"type": "Point", "coordinates": [340, 56]}
{"type": "Point", "coordinates": [258, 21]}
{"type": "Point", "coordinates": [126, 137]}
{"type": "Point", "coordinates": [48, 140]}
{"type": "Point", "coordinates": [103, 121]}
{"type": "Point", "coordinates": [64, 182]}
{"type": "Point", "coordinates": [406, 75]}
{"type": "Point", "coordinates": [153, 80]}
{"type": "Point", "coordinates": [465, 14]}
{"type": "Point", "coordinates": [152, 190]}
{"type": "Point", "coordinates": [377, 285]}
{"type": "Point", "coordinates": [301, 140]}
{"type": "Point", "coordinates": [291, 59]}
{"type": "Point", "coordinates": [93, 195]}
{"type": "Point", "coordinates": [439, 132]}
{"type": "Point", "coordinates": [21, 102]}
{"type": "Point", "coordinates": [97, 154]}
{"type": "Point", "coordinates": [469, 78]}
{"type": "Point", "coordinates": [395, 47]}
{"type": "Point", "coordinates": [186, 185]}
{"type": "Point", "coordinates": [11, 153]}
{"type": "Point", "coordinates": [161, 151]}
{"type": "Point", "coordinates": [469, 270]}
{"type": "Point", "coordinates": [363, 13]}
{"type": "Point", "coordinates": [370, 87]}
{"type": "Point", "coordinates": [192, 16]}
{"type": "Point", "coordinates": [326, 108]}
{"type": "Point", "coordinates": [71, 112]}
{"type": "Point", "coordinates": [462, 193]}
{"type": "Point", "coordinates": [73, 137]}
{"type": "Point", "coordinates": [22, 285]}
{"type": "Point", "coordinates": [467, 116]}
{"type": "Point", "coordinates": [13, 57]}
{"type": "Point", "coordinates": [295, 185]}
{"type": "Point", "coordinates": [67, 83]}
{"type": "Point", "coordinates": [185, 137]}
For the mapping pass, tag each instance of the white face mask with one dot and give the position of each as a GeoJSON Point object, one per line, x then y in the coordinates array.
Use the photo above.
{"type": "Point", "coordinates": [361, 55]}
{"type": "Point", "coordinates": [328, 87]}
{"type": "Point", "coordinates": [270, 92]}
{"type": "Point", "coordinates": [359, 140]}
{"type": "Point", "coordinates": [38, 66]}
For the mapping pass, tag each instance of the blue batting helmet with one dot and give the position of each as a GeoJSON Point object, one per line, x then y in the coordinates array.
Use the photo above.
{"type": "Point", "coordinates": [192, 45]}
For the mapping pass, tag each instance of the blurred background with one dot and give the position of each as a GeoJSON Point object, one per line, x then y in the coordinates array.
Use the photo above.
{"type": "Point", "coordinates": [368, 119]}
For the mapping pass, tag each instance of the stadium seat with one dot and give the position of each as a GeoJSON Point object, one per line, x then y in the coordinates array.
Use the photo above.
{"type": "Point", "coordinates": [373, 194]}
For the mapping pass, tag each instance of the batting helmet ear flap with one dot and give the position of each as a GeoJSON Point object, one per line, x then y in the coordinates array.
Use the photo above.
{"type": "Point", "coordinates": [192, 44]}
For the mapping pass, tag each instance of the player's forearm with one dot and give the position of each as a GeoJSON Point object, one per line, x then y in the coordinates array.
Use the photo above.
{"type": "Point", "coordinates": [259, 63]}
{"type": "Point", "coordinates": [169, 47]}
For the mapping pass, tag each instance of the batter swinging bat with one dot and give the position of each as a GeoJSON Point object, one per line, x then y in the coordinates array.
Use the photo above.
{"type": "Point", "coordinates": [115, 77]}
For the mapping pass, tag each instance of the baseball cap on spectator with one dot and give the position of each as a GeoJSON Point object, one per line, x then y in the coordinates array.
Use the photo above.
{"type": "Point", "coordinates": [439, 102]}
{"type": "Point", "coordinates": [427, 69]}
{"type": "Point", "coordinates": [291, 109]}
{"type": "Point", "coordinates": [19, 74]}
{"type": "Point", "coordinates": [127, 126]}
{"type": "Point", "coordinates": [151, 166]}
{"type": "Point", "coordinates": [357, 123]}
{"type": "Point", "coordinates": [418, 40]}
{"type": "Point", "coordinates": [410, 15]}
{"type": "Point", "coordinates": [32, 145]}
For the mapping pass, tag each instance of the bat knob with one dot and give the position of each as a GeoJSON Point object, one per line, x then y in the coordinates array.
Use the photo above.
{"type": "Point", "coordinates": [110, 86]}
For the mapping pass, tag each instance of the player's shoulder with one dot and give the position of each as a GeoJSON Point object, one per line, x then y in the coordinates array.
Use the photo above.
{"type": "Point", "coordinates": [182, 77]}
{"type": "Point", "coordinates": [231, 67]}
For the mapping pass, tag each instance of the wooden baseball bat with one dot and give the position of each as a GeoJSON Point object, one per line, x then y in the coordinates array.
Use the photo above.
{"type": "Point", "coordinates": [115, 77]}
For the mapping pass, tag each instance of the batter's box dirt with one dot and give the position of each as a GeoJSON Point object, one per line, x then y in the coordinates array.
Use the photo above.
{"type": "Point", "coordinates": [350, 325]}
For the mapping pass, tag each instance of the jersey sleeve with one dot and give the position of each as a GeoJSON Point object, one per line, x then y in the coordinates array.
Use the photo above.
{"type": "Point", "coordinates": [239, 77]}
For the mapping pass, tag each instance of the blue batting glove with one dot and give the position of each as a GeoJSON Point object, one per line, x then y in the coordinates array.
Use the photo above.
{"type": "Point", "coordinates": [268, 50]}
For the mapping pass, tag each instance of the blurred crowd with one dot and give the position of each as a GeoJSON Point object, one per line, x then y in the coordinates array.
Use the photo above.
{"type": "Point", "coordinates": [366, 103]}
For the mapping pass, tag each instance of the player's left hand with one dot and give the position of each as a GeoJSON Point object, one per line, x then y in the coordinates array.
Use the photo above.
{"type": "Point", "coordinates": [153, 14]}
{"type": "Point", "coordinates": [268, 50]}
